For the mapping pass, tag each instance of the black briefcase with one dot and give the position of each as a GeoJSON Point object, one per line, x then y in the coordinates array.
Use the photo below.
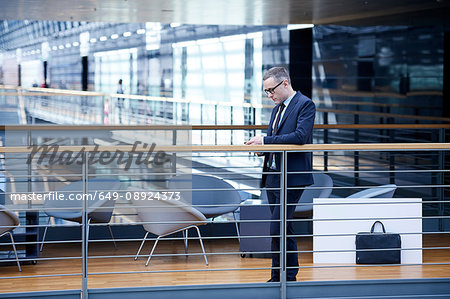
{"type": "Point", "coordinates": [389, 245]}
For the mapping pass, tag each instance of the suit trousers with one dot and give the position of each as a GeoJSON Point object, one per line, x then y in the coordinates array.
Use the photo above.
{"type": "Point", "coordinates": [273, 196]}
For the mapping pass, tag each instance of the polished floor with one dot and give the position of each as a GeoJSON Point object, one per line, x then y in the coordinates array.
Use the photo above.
{"type": "Point", "coordinates": [192, 270]}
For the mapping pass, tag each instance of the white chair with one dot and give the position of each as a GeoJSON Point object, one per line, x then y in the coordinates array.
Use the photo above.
{"type": "Point", "coordinates": [166, 217]}
{"type": "Point", "coordinates": [99, 210]}
{"type": "Point", "coordinates": [322, 188]}
{"type": "Point", "coordinates": [219, 198]}
{"type": "Point", "coordinates": [384, 191]}
{"type": "Point", "coordinates": [8, 222]}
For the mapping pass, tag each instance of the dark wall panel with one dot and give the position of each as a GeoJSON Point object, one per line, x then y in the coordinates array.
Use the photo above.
{"type": "Point", "coordinates": [446, 79]}
{"type": "Point", "coordinates": [300, 60]}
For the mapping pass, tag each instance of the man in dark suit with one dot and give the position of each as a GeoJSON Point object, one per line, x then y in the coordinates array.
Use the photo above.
{"type": "Point", "coordinates": [291, 122]}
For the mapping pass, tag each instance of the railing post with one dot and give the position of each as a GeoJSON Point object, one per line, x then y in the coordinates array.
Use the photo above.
{"type": "Point", "coordinates": [188, 118]}
{"type": "Point", "coordinates": [356, 154]}
{"type": "Point", "coordinates": [391, 158]}
{"type": "Point", "coordinates": [84, 228]}
{"type": "Point", "coordinates": [381, 121]}
{"type": "Point", "coordinates": [441, 180]}
{"type": "Point", "coordinates": [325, 117]}
{"type": "Point", "coordinates": [254, 119]}
{"type": "Point", "coordinates": [356, 119]}
{"type": "Point", "coordinates": [231, 122]}
{"type": "Point", "coordinates": [164, 109]}
{"type": "Point", "coordinates": [283, 224]}
{"type": "Point", "coordinates": [103, 109]}
{"type": "Point", "coordinates": [29, 186]}
{"type": "Point", "coordinates": [215, 122]}
{"type": "Point", "coordinates": [201, 122]}
{"type": "Point", "coordinates": [175, 113]}
{"type": "Point", "coordinates": [174, 155]}
{"type": "Point", "coordinates": [31, 217]}
{"type": "Point", "coordinates": [325, 140]}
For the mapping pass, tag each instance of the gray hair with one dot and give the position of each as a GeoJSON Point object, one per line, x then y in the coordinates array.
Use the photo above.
{"type": "Point", "coordinates": [278, 74]}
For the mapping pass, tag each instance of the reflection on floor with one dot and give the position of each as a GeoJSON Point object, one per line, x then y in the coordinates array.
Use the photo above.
{"type": "Point", "coordinates": [198, 272]}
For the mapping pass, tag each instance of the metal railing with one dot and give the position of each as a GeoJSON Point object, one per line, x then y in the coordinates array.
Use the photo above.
{"type": "Point", "coordinates": [86, 107]}
{"type": "Point", "coordinates": [193, 159]}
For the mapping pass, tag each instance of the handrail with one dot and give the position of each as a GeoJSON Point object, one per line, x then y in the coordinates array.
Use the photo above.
{"type": "Point", "coordinates": [245, 148]}
{"type": "Point", "coordinates": [9, 87]}
{"type": "Point", "coordinates": [56, 92]}
{"type": "Point", "coordinates": [212, 127]}
{"type": "Point", "coordinates": [349, 93]}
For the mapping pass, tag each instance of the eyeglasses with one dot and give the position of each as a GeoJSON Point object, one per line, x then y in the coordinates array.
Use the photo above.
{"type": "Point", "coordinates": [270, 91]}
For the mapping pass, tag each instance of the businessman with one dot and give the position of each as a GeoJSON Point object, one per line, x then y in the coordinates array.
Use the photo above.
{"type": "Point", "coordinates": [291, 122]}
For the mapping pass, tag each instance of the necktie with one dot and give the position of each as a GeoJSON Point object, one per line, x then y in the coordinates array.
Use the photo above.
{"type": "Point", "coordinates": [275, 130]}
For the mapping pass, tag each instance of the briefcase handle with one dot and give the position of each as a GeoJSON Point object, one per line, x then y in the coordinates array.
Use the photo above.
{"type": "Point", "coordinates": [375, 223]}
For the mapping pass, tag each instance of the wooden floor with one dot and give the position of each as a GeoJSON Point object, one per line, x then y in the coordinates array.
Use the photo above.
{"type": "Point", "coordinates": [211, 273]}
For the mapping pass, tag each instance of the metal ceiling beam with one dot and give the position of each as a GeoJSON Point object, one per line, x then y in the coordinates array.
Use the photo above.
{"type": "Point", "coordinates": [238, 12]}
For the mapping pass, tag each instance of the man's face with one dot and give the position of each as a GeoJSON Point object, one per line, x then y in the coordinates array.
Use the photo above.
{"type": "Point", "coordinates": [279, 93]}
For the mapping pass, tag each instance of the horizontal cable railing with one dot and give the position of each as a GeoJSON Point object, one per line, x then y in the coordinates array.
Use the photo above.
{"type": "Point", "coordinates": [417, 169]}
{"type": "Point", "coordinates": [231, 236]}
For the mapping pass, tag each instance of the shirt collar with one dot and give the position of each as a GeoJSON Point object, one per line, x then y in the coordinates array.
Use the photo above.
{"type": "Point", "coordinates": [288, 100]}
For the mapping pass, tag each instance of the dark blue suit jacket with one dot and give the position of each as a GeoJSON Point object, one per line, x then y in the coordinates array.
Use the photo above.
{"type": "Point", "coordinates": [294, 128]}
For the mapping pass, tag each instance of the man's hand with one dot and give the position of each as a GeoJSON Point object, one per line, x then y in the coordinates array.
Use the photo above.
{"type": "Point", "coordinates": [257, 140]}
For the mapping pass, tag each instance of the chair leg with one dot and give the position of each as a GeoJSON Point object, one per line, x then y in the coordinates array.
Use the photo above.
{"type": "Point", "coordinates": [201, 243]}
{"type": "Point", "coordinates": [211, 231]}
{"type": "Point", "coordinates": [153, 249]}
{"type": "Point", "coordinates": [142, 244]}
{"type": "Point", "coordinates": [15, 251]}
{"type": "Point", "coordinates": [237, 227]}
{"type": "Point", "coordinates": [185, 236]}
{"type": "Point", "coordinates": [112, 236]}
{"type": "Point", "coordinates": [45, 233]}
{"type": "Point", "coordinates": [87, 230]}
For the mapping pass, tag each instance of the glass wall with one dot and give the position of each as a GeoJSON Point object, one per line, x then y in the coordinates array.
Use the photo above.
{"type": "Point", "coordinates": [214, 70]}
{"type": "Point", "coordinates": [385, 69]}
{"type": "Point", "coordinates": [110, 66]}
{"type": "Point", "coordinates": [32, 73]}
{"type": "Point", "coordinates": [205, 64]}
